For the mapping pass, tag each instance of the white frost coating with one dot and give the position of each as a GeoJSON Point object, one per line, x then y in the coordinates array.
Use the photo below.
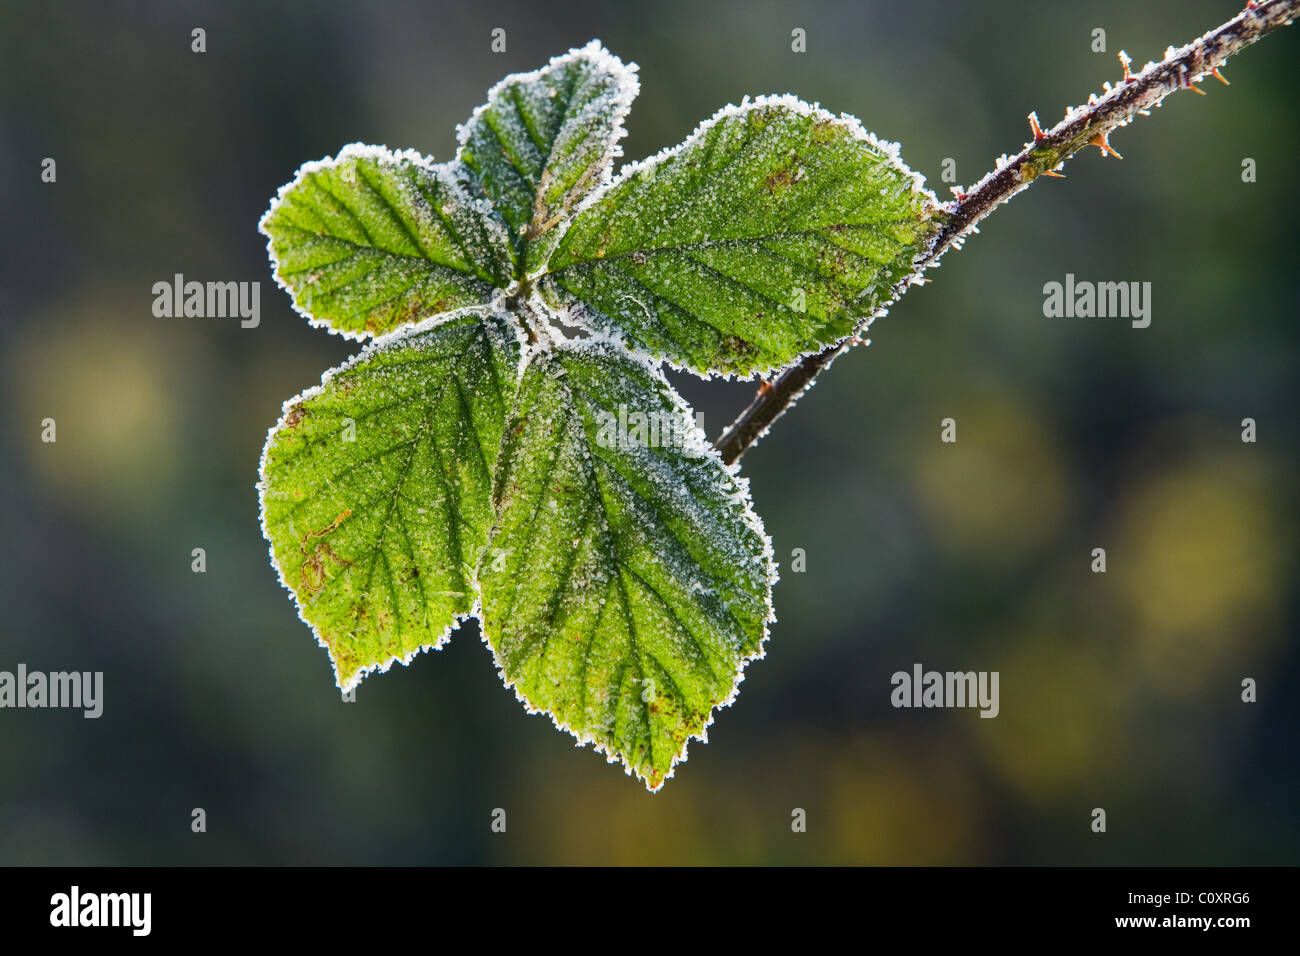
{"type": "Point", "coordinates": [852, 124]}
{"type": "Point", "coordinates": [614, 104]}
{"type": "Point", "coordinates": [446, 175]}
{"type": "Point", "coordinates": [602, 342]}
{"type": "Point", "coordinates": [384, 342]}
{"type": "Point", "coordinates": [625, 76]}
{"type": "Point", "coordinates": [607, 332]}
{"type": "Point", "coordinates": [802, 108]}
{"type": "Point", "coordinates": [606, 340]}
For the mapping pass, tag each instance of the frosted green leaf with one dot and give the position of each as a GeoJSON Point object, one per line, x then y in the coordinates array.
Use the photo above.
{"type": "Point", "coordinates": [376, 488]}
{"type": "Point", "coordinates": [374, 240]}
{"type": "Point", "coordinates": [773, 231]}
{"type": "Point", "coordinates": [546, 139]}
{"type": "Point", "coordinates": [626, 581]}
{"type": "Point", "coordinates": [472, 461]}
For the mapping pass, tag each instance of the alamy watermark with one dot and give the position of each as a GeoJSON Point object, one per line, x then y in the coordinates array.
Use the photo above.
{"type": "Point", "coordinates": [208, 300]}
{"type": "Point", "coordinates": [72, 689]}
{"type": "Point", "coordinates": [922, 688]}
{"type": "Point", "coordinates": [658, 428]}
{"type": "Point", "coordinates": [1104, 300]}
{"type": "Point", "coordinates": [77, 909]}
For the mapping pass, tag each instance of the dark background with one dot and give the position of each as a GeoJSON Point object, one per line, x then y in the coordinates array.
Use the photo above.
{"type": "Point", "coordinates": [1119, 691]}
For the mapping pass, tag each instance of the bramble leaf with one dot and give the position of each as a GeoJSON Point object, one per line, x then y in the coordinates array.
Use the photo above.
{"type": "Point", "coordinates": [546, 139]}
{"type": "Point", "coordinates": [376, 488]}
{"type": "Point", "coordinates": [478, 462]}
{"type": "Point", "coordinates": [773, 231]}
{"type": "Point", "coordinates": [626, 581]}
{"type": "Point", "coordinates": [374, 240]}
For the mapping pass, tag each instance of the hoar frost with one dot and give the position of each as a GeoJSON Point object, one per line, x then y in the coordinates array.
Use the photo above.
{"type": "Point", "coordinates": [456, 467]}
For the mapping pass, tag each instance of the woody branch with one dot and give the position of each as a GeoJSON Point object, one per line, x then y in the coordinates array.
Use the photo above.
{"type": "Point", "coordinates": [1088, 125]}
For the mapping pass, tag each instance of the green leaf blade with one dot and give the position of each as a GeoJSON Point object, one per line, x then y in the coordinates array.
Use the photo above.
{"type": "Point", "coordinates": [775, 230]}
{"type": "Point", "coordinates": [373, 240]}
{"type": "Point", "coordinates": [626, 582]}
{"type": "Point", "coordinates": [376, 489]}
{"type": "Point", "coordinates": [546, 139]}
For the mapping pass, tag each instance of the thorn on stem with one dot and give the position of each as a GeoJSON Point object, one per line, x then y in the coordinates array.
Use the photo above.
{"type": "Point", "coordinates": [1220, 77]}
{"type": "Point", "coordinates": [1102, 142]}
{"type": "Point", "coordinates": [1034, 128]}
{"type": "Point", "coordinates": [1053, 173]}
{"type": "Point", "coordinates": [1125, 61]}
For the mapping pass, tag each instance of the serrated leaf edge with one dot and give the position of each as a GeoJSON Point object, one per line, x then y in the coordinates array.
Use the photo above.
{"type": "Point", "coordinates": [389, 340]}
{"type": "Point", "coordinates": [752, 519]}
{"type": "Point", "coordinates": [890, 149]}
{"type": "Point", "coordinates": [450, 173]}
{"type": "Point", "coordinates": [629, 86]}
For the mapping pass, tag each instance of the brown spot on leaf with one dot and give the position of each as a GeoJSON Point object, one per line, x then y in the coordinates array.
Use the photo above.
{"type": "Point", "coordinates": [823, 131]}
{"type": "Point", "coordinates": [734, 346]}
{"type": "Point", "coordinates": [313, 568]}
{"type": "Point", "coordinates": [782, 178]}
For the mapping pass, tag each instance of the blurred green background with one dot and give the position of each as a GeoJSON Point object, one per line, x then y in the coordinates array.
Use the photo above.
{"type": "Point", "coordinates": [1119, 690]}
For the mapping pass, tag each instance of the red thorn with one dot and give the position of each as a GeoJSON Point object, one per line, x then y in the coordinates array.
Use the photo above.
{"type": "Point", "coordinates": [958, 193]}
{"type": "Point", "coordinates": [1035, 128]}
{"type": "Point", "coordinates": [1220, 77]}
{"type": "Point", "coordinates": [1053, 173]}
{"type": "Point", "coordinates": [765, 387]}
{"type": "Point", "coordinates": [1102, 142]}
{"type": "Point", "coordinates": [1196, 89]}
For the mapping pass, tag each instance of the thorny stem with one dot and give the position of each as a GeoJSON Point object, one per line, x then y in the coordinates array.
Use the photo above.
{"type": "Point", "coordinates": [1081, 127]}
